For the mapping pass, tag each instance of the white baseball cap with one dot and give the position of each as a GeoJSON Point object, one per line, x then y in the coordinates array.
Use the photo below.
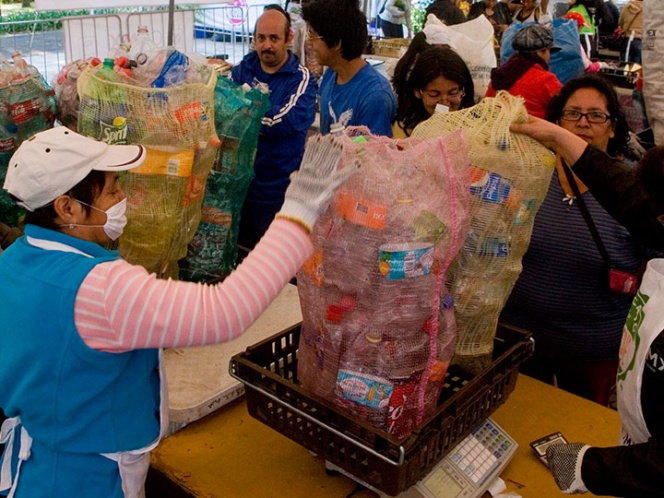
{"type": "Point", "coordinates": [52, 162]}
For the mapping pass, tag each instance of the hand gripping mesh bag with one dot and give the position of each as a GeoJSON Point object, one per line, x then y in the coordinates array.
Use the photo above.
{"type": "Point", "coordinates": [212, 254]}
{"type": "Point", "coordinates": [378, 324]}
{"type": "Point", "coordinates": [165, 193]}
{"type": "Point", "coordinates": [509, 178]}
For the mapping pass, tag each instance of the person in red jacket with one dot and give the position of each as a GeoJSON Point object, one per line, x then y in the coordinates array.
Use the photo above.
{"type": "Point", "coordinates": [526, 73]}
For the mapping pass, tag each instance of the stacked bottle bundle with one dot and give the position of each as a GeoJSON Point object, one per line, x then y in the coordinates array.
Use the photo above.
{"type": "Point", "coordinates": [509, 177]}
{"type": "Point", "coordinates": [66, 92]}
{"type": "Point", "coordinates": [27, 106]}
{"type": "Point", "coordinates": [378, 325]}
{"type": "Point", "coordinates": [174, 119]}
{"type": "Point", "coordinates": [212, 254]}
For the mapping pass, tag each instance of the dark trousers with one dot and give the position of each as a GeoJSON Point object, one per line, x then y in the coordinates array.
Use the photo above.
{"type": "Point", "coordinates": [634, 51]}
{"type": "Point", "coordinates": [390, 30]}
{"type": "Point", "coordinates": [595, 381]}
{"type": "Point", "coordinates": [255, 219]}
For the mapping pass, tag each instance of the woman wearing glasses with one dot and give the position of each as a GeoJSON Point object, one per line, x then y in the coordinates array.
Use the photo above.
{"type": "Point", "coordinates": [426, 76]}
{"type": "Point", "coordinates": [563, 294]}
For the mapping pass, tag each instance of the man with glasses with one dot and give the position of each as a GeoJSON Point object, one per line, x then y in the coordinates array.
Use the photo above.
{"type": "Point", "coordinates": [352, 92]}
{"type": "Point", "coordinates": [283, 128]}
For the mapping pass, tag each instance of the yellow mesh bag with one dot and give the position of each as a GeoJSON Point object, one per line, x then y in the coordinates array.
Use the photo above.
{"type": "Point", "coordinates": [509, 178]}
{"type": "Point", "coordinates": [176, 125]}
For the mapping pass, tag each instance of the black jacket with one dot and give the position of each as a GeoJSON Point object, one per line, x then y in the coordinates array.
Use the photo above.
{"type": "Point", "coordinates": [617, 187]}
{"type": "Point", "coordinates": [638, 470]}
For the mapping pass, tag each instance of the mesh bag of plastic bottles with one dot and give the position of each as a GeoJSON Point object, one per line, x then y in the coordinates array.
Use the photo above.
{"type": "Point", "coordinates": [165, 193]}
{"type": "Point", "coordinates": [378, 325]}
{"type": "Point", "coordinates": [238, 110]}
{"type": "Point", "coordinates": [65, 88]}
{"type": "Point", "coordinates": [27, 106]}
{"type": "Point", "coordinates": [509, 178]}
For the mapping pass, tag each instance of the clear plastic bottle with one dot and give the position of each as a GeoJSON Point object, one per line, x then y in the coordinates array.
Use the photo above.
{"type": "Point", "coordinates": [21, 71]}
{"type": "Point", "coordinates": [7, 138]}
{"type": "Point", "coordinates": [141, 46]}
{"type": "Point", "coordinates": [173, 72]}
{"type": "Point", "coordinates": [112, 126]}
{"type": "Point", "coordinates": [407, 358]}
{"type": "Point", "coordinates": [363, 386]}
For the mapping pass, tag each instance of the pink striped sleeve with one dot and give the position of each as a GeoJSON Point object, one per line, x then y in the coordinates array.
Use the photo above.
{"type": "Point", "coordinates": [121, 307]}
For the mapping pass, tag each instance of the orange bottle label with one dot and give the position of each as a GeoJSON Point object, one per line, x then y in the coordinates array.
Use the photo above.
{"type": "Point", "coordinates": [159, 162]}
{"type": "Point", "coordinates": [314, 267]}
{"type": "Point", "coordinates": [361, 211]}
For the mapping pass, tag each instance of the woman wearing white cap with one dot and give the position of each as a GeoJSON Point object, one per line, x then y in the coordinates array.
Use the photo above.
{"type": "Point", "coordinates": [83, 329]}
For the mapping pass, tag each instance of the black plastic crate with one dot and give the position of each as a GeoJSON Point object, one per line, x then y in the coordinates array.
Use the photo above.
{"type": "Point", "coordinates": [391, 465]}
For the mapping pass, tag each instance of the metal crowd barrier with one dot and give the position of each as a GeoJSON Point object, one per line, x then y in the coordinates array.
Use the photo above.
{"type": "Point", "coordinates": [222, 32]}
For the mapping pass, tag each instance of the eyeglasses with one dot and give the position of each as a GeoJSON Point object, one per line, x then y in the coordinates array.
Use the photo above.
{"type": "Point", "coordinates": [594, 117]}
{"type": "Point", "coordinates": [312, 37]}
{"type": "Point", "coordinates": [452, 97]}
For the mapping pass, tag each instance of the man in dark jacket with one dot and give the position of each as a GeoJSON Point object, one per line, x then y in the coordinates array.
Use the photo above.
{"type": "Point", "coordinates": [284, 127]}
{"type": "Point", "coordinates": [446, 11]}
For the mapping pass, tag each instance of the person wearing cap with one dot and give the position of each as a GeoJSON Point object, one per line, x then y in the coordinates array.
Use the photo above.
{"type": "Point", "coordinates": [588, 9]}
{"type": "Point", "coordinates": [83, 329]}
{"type": "Point", "coordinates": [526, 73]}
{"type": "Point", "coordinates": [635, 198]}
{"type": "Point", "coordinates": [588, 65]}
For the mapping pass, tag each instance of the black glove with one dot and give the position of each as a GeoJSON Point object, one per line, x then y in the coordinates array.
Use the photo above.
{"type": "Point", "coordinates": [565, 464]}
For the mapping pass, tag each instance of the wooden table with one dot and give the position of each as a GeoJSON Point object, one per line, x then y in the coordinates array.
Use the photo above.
{"type": "Point", "coordinates": [230, 454]}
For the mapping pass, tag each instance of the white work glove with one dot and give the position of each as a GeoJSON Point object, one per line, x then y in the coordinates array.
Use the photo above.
{"type": "Point", "coordinates": [565, 463]}
{"type": "Point", "coordinates": [313, 185]}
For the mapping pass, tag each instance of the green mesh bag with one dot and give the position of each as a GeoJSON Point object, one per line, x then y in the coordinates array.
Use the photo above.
{"type": "Point", "coordinates": [212, 254]}
{"type": "Point", "coordinates": [27, 106]}
{"type": "Point", "coordinates": [165, 193]}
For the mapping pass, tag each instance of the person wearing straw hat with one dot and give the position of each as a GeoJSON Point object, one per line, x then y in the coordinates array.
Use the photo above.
{"type": "Point", "coordinates": [80, 376]}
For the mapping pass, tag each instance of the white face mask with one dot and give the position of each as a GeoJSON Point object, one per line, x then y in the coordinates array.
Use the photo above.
{"type": "Point", "coordinates": [116, 219]}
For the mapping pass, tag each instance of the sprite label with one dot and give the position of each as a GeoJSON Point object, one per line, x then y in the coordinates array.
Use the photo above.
{"type": "Point", "coordinates": [114, 133]}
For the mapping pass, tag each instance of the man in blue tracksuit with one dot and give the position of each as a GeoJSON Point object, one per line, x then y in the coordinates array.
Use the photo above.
{"type": "Point", "coordinates": [284, 127]}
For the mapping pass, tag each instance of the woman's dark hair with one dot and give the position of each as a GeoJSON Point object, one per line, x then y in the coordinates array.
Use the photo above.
{"type": "Point", "coordinates": [339, 21]}
{"type": "Point", "coordinates": [588, 4]}
{"type": "Point", "coordinates": [534, 56]}
{"type": "Point", "coordinates": [618, 144]}
{"type": "Point", "coordinates": [421, 64]}
{"type": "Point", "coordinates": [85, 191]}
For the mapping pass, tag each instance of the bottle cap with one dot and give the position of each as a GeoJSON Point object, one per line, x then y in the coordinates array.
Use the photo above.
{"type": "Point", "coordinates": [334, 313]}
{"type": "Point", "coordinates": [336, 128]}
{"type": "Point", "coordinates": [347, 303]}
{"type": "Point", "coordinates": [374, 336]}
